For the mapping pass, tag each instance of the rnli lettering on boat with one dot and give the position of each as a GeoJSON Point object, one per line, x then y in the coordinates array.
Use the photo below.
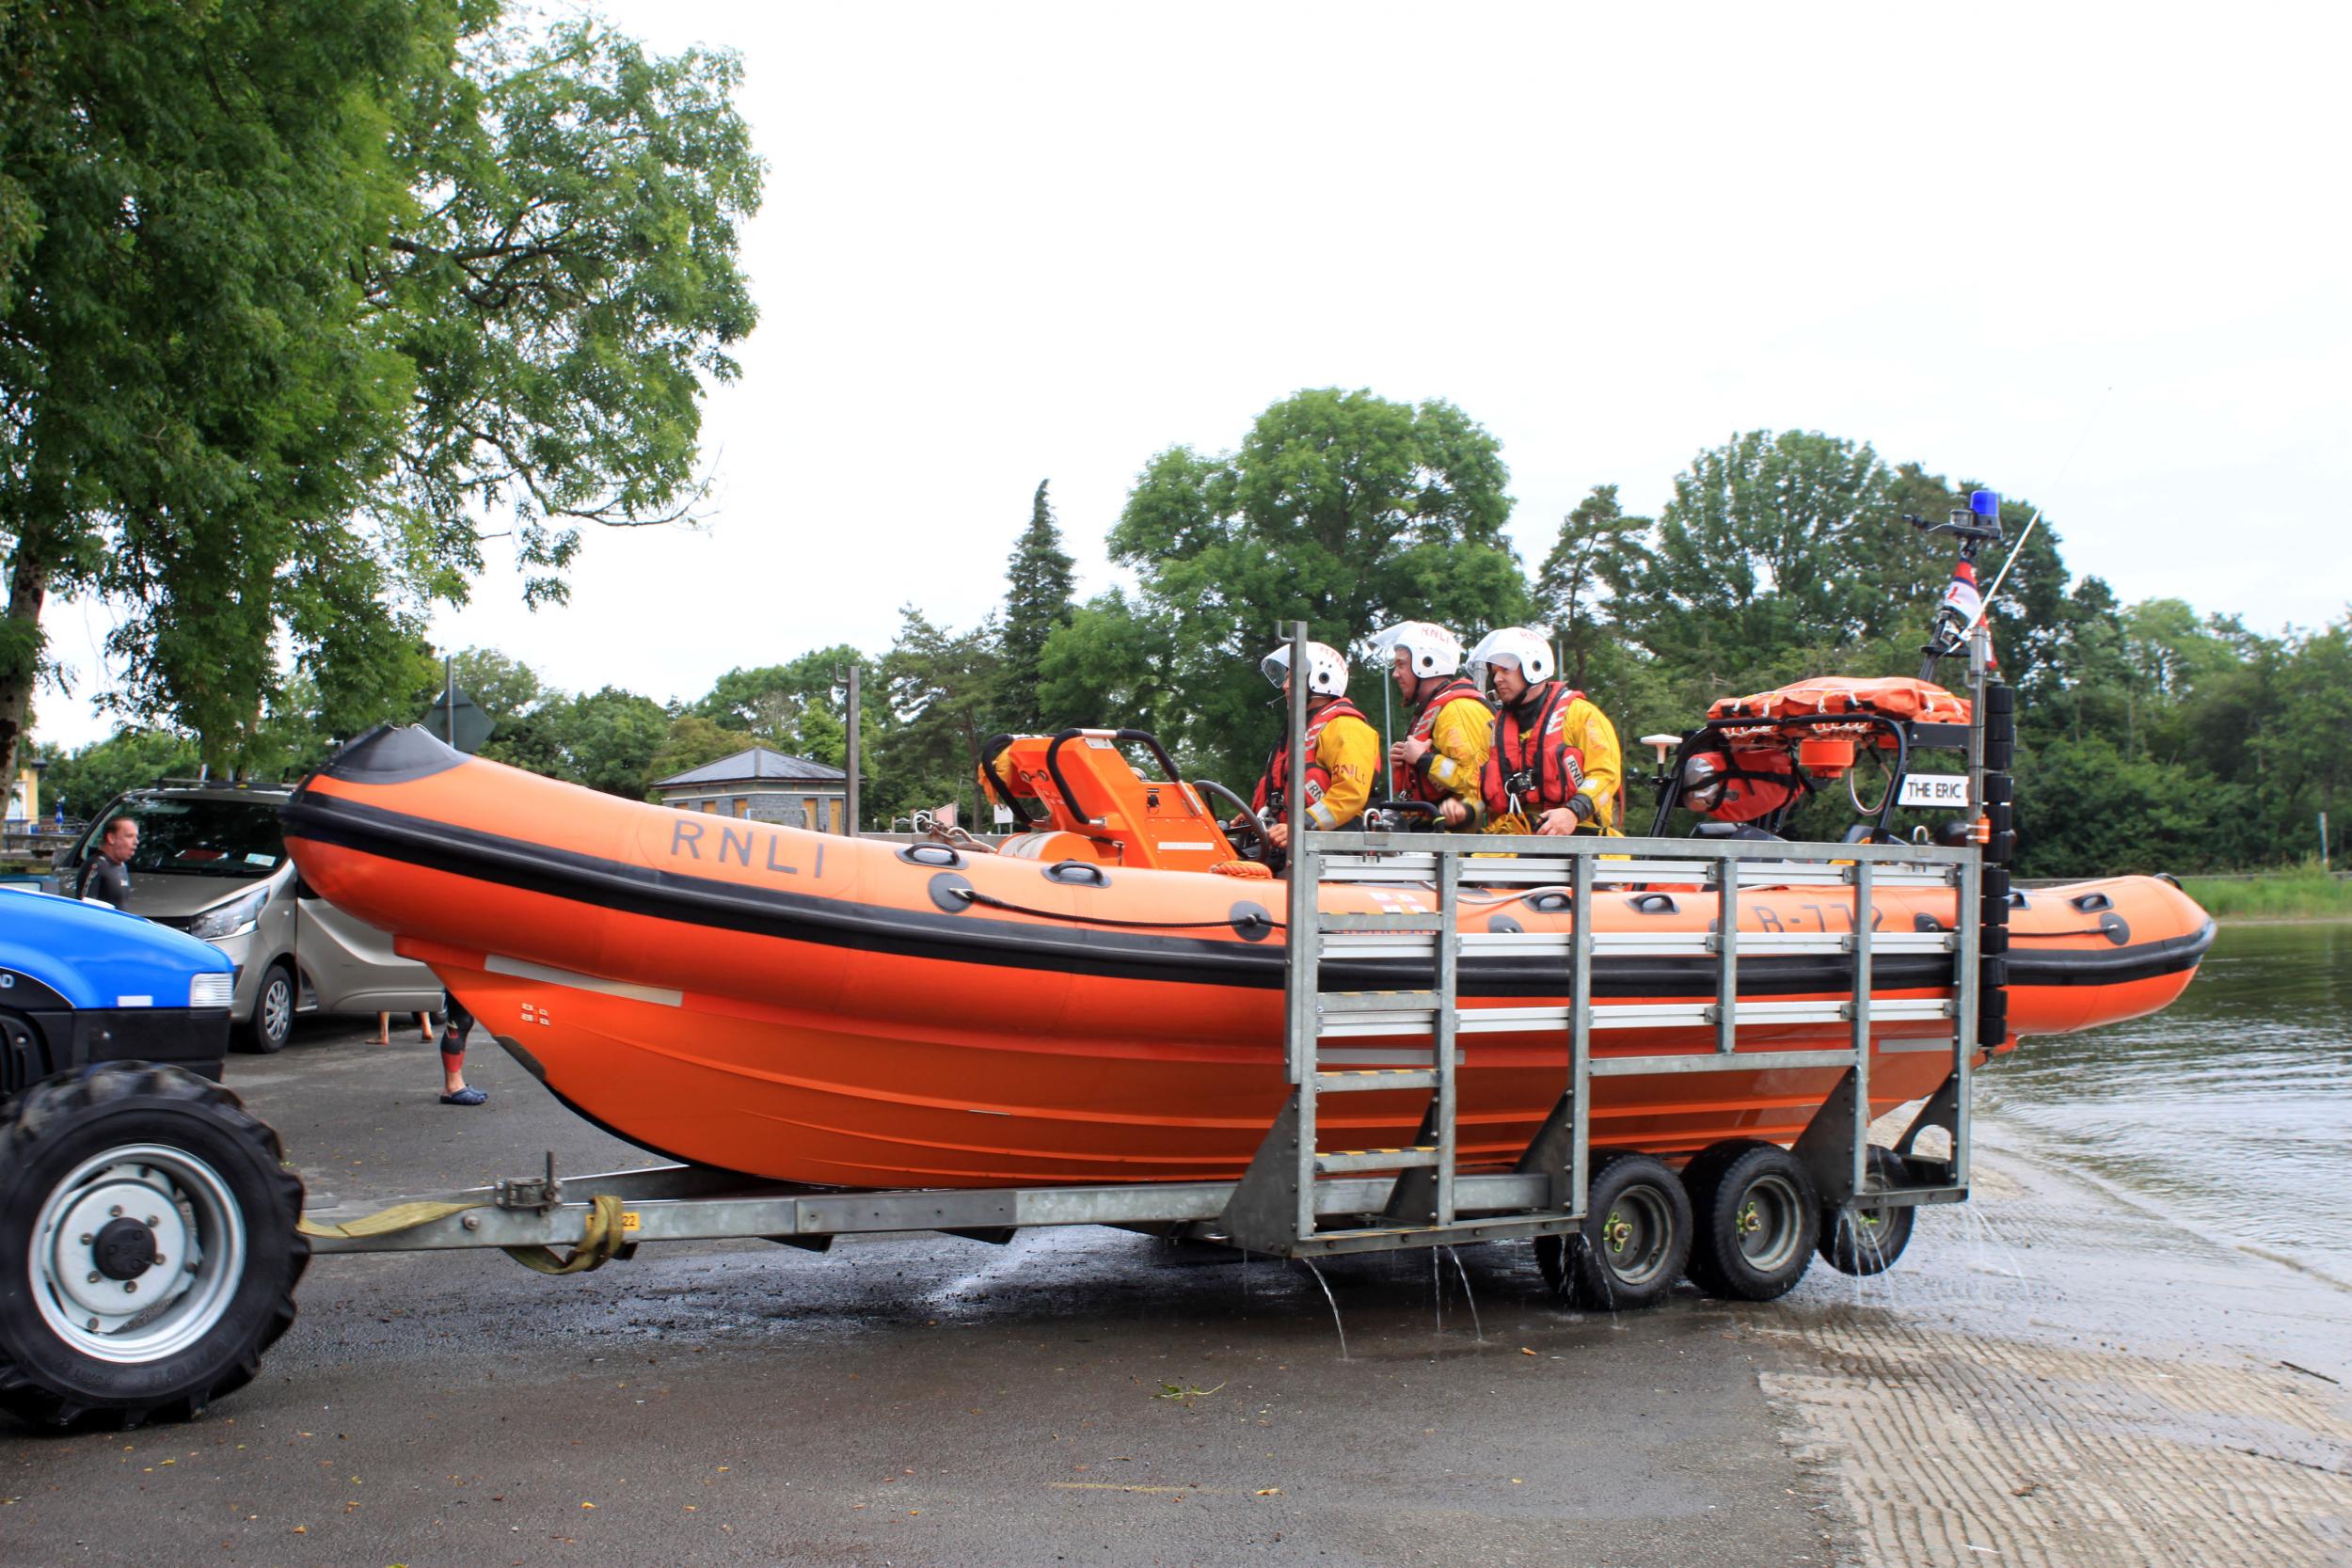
{"type": "Point", "coordinates": [730, 843]}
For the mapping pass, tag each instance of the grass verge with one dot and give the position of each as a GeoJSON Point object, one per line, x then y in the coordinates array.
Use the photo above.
{"type": "Point", "coordinates": [2302, 895]}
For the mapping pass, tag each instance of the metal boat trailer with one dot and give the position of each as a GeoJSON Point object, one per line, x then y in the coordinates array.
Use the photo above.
{"type": "Point", "coordinates": [1298, 1199]}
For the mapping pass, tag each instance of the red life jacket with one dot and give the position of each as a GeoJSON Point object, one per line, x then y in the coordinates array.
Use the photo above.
{"type": "Point", "coordinates": [1413, 782]}
{"type": "Point", "coordinates": [1274, 783]}
{"type": "Point", "coordinates": [1533, 771]}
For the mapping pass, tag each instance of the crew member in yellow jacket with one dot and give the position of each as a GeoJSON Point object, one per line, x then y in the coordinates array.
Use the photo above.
{"type": "Point", "coordinates": [1443, 753]}
{"type": "Point", "coordinates": [1342, 748]}
{"type": "Point", "coordinates": [1555, 767]}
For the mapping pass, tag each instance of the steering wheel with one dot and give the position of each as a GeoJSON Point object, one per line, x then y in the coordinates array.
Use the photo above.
{"type": "Point", "coordinates": [1254, 844]}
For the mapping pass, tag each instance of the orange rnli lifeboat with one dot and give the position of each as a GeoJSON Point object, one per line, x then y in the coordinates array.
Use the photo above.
{"type": "Point", "coordinates": [859, 1013]}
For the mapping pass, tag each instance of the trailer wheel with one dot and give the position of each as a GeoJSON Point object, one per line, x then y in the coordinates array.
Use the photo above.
{"type": "Point", "coordinates": [148, 1249]}
{"type": "Point", "coordinates": [1634, 1241]}
{"type": "Point", "coordinates": [1862, 1240]}
{"type": "Point", "coordinates": [1757, 1220]}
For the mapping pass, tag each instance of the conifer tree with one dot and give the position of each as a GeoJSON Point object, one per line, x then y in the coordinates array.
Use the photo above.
{"type": "Point", "coordinates": [1036, 601]}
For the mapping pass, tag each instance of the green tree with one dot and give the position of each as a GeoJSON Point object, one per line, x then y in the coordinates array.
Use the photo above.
{"type": "Point", "coordinates": [941, 686]}
{"type": "Point", "coordinates": [1595, 539]}
{"type": "Point", "coordinates": [801, 707]}
{"type": "Point", "coordinates": [2308, 751]}
{"type": "Point", "coordinates": [1111, 667]}
{"type": "Point", "coordinates": [693, 741]}
{"type": "Point", "coordinates": [189, 399]}
{"type": "Point", "coordinates": [293, 294]}
{"type": "Point", "coordinates": [503, 686]}
{"type": "Point", "coordinates": [609, 739]}
{"type": "Point", "coordinates": [526, 714]}
{"type": "Point", "coordinates": [1771, 543]}
{"type": "Point", "coordinates": [567, 287]}
{"type": "Point", "coordinates": [1342, 508]}
{"type": "Point", "coordinates": [1037, 602]}
{"type": "Point", "coordinates": [129, 759]}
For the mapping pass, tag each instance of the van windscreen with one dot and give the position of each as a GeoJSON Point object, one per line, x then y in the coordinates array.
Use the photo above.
{"type": "Point", "coordinates": [206, 838]}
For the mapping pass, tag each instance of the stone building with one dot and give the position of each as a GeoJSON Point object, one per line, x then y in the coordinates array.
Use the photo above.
{"type": "Point", "coordinates": [763, 785]}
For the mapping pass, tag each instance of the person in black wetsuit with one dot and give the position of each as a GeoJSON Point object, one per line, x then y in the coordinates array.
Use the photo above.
{"type": "Point", "coordinates": [104, 877]}
{"type": "Point", "coordinates": [453, 1032]}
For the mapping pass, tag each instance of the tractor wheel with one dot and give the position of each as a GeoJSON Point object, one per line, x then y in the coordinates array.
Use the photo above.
{"type": "Point", "coordinates": [148, 1249]}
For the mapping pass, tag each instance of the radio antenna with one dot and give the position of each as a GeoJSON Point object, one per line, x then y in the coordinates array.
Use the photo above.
{"type": "Point", "coordinates": [1985, 607]}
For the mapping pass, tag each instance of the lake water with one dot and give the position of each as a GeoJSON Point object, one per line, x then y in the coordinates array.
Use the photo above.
{"type": "Point", "coordinates": [2232, 1109]}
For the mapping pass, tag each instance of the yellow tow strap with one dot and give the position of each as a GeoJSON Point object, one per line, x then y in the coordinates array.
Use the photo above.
{"type": "Point", "coordinates": [600, 1242]}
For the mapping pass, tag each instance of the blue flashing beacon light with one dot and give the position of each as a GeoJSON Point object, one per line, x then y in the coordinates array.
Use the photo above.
{"type": "Point", "coordinates": [1985, 503]}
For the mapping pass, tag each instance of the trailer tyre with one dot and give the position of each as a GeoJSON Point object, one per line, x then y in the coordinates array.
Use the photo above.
{"type": "Point", "coordinates": [148, 1249]}
{"type": "Point", "coordinates": [1757, 1220]}
{"type": "Point", "coordinates": [1862, 1240]}
{"type": "Point", "coordinates": [1633, 1245]}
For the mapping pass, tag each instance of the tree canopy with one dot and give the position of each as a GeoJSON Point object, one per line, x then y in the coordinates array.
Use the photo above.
{"type": "Point", "coordinates": [1339, 508]}
{"type": "Point", "coordinates": [1037, 604]}
{"type": "Point", "coordinates": [2151, 736]}
{"type": "Point", "coordinates": [300, 300]}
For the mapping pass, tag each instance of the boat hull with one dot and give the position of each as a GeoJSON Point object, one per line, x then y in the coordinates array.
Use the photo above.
{"type": "Point", "coordinates": [829, 1010]}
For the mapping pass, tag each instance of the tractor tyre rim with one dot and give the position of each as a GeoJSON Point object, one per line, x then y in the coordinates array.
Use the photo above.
{"type": "Point", "coordinates": [277, 1007]}
{"type": "Point", "coordinates": [1769, 1223]}
{"type": "Point", "coordinates": [1638, 1235]}
{"type": "Point", "coordinates": [97, 1283]}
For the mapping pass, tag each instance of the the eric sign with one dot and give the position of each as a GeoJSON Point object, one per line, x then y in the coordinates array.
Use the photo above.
{"type": "Point", "coordinates": [1934, 789]}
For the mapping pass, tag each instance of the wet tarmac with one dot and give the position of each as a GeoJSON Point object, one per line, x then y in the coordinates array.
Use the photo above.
{"type": "Point", "coordinates": [2057, 1375]}
{"type": "Point", "coordinates": [1082, 1397]}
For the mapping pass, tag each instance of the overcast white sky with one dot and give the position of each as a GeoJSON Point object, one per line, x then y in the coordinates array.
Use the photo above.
{"type": "Point", "coordinates": [1008, 243]}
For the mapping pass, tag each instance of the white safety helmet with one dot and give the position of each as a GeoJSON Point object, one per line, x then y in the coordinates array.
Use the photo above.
{"type": "Point", "coordinates": [1435, 651]}
{"type": "Point", "coordinates": [1327, 671]}
{"type": "Point", "coordinates": [1524, 647]}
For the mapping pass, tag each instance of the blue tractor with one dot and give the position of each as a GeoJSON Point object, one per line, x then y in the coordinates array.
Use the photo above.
{"type": "Point", "coordinates": [147, 1248]}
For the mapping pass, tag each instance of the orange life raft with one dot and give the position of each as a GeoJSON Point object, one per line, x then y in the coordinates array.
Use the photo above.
{"type": "Point", "coordinates": [858, 1013]}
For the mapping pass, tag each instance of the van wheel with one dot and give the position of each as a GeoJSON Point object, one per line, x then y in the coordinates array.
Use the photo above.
{"type": "Point", "coordinates": [272, 1024]}
{"type": "Point", "coordinates": [1757, 1218]}
{"type": "Point", "coordinates": [148, 1249]}
{"type": "Point", "coordinates": [1634, 1241]}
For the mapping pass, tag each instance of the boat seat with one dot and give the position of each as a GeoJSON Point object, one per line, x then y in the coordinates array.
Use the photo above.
{"type": "Point", "coordinates": [1081, 799]}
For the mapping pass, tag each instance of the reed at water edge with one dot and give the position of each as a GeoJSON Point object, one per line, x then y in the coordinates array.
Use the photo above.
{"type": "Point", "coordinates": [2305, 893]}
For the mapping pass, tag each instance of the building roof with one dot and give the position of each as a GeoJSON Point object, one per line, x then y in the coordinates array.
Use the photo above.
{"type": "Point", "coordinates": [758, 765]}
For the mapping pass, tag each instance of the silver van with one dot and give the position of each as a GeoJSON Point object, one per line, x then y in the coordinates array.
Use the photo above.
{"type": "Point", "coordinates": [212, 862]}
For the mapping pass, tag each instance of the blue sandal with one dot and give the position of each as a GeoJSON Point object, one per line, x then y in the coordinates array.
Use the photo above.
{"type": "Point", "coordinates": [468, 1096]}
